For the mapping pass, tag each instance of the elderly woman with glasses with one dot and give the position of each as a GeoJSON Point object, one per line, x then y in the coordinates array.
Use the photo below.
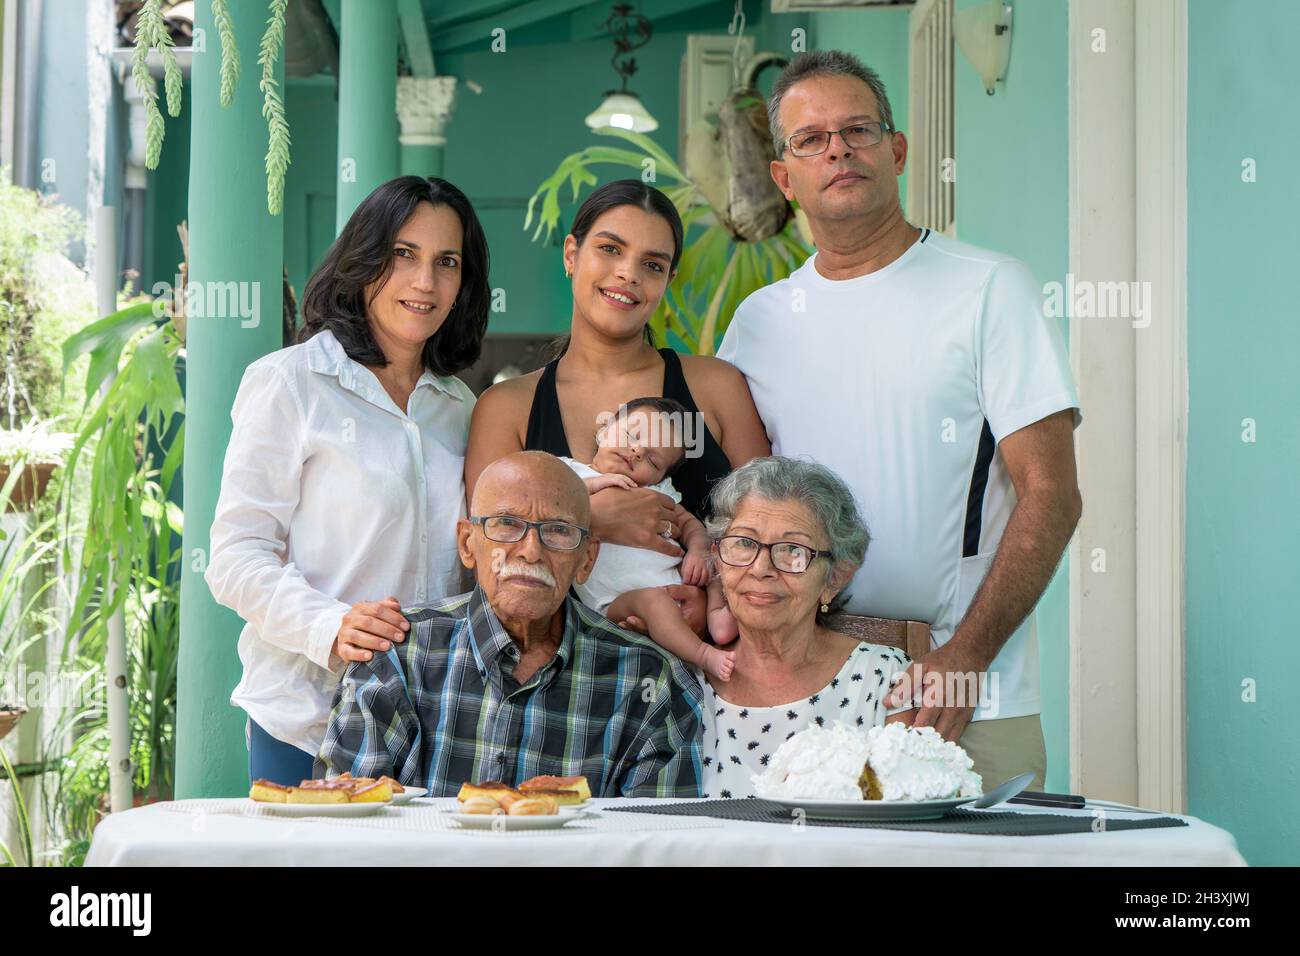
{"type": "Point", "coordinates": [788, 538]}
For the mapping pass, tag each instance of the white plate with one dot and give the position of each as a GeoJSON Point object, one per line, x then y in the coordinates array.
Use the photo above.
{"type": "Point", "coordinates": [408, 794]}
{"type": "Point", "coordinates": [321, 809]}
{"type": "Point", "coordinates": [873, 809]}
{"type": "Point", "coordinates": [504, 821]}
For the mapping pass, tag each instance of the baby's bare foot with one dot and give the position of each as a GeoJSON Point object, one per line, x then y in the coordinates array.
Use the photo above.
{"type": "Point", "coordinates": [718, 663]}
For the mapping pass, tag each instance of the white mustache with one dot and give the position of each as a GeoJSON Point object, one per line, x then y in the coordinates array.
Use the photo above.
{"type": "Point", "coordinates": [535, 572]}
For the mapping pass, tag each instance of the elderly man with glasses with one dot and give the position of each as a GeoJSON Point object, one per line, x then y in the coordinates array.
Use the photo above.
{"type": "Point", "coordinates": [516, 678]}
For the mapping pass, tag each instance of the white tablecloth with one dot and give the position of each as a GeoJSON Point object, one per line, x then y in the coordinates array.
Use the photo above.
{"type": "Point", "coordinates": [233, 833]}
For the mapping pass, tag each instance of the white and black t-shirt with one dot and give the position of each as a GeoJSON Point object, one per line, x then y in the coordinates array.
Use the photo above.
{"type": "Point", "coordinates": [903, 381]}
{"type": "Point", "coordinates": [739, 741]}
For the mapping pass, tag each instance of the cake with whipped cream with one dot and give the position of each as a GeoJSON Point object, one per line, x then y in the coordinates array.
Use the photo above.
{"type": "Point", "coordinates": [893, 762]}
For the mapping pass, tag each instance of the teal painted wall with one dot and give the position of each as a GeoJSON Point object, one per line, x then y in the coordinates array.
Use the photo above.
{"type": "Point", "coordinates": [1243, 349]}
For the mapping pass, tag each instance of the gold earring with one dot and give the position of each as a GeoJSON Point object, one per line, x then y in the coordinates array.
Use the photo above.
{"type": "Point", "coordinates": [825, 607]}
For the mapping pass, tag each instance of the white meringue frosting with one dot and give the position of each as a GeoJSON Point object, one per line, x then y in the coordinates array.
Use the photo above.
{"type": "Point", "coordinates": [826, 763]}
{"type": "Point", "coordinates": [817, 763]}
{"type": "Point", "coordinates": [916, 763]}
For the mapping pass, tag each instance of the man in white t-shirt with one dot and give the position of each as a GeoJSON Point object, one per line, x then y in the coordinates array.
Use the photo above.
{"type": "Point", "coordinates": [925, 373]}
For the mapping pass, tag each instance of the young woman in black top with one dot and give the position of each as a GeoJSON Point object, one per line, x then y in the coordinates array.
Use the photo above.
{"type": "Point", "coordinates": [620, 254]}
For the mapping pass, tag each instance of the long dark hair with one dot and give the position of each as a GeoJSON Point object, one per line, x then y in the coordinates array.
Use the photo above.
{"type": "Point", "coordinates": [623, 192]}
{"type": "Point", "coordinates": [335, 298]}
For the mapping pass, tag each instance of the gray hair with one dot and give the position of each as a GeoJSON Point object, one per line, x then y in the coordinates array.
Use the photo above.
{"type": "Point", "coordinates": [823, 63]}
{"type": "Point", "coordinates": [815, 487]}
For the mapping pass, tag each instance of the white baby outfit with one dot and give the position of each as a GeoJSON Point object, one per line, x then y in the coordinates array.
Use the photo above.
{"type": "Point", "coordinates": [620, 569]}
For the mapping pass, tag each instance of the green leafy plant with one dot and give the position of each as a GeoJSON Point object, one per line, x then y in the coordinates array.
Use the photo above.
{"type": "Point", "coordinates": [43, 299]}
{"type": "Point", "coordinates": [128, 450]}
{"type": "Point", "coordinates": [27, 565]}
{"type": "Point", "coordinates": [22, 822]}
{"type": "Point", "coordinates": [139, 411]}
{"type": "Point", "coordinates": [36, 443]}
{"type": "Point", "coordinates": [716, 272]}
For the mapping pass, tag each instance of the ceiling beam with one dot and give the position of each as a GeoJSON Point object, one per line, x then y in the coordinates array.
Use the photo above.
{"type": "Point", "coordinates": [443, 16]}
{"type": "Point", "coordinates": [419, 54]}
{"type": "Point", "coordinates": [480, 30]}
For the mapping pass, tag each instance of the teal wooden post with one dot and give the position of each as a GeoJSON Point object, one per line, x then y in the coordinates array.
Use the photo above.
{"type": "Point", "coordinates": [236, 258]}
{"type": "Point", "coordinates": [421, 159]}
{"type": "Point", "coordinates": [367, 101]}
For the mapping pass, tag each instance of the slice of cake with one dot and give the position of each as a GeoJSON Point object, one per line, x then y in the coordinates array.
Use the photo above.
{"type": "Point", "coordinates": [377, 792]}
{"type": "Point", "coordinates": [566, 791]}
{"type": "Point", "coordinates": [320, 791]}
{"type": "Point", "coordinates": [264, 791]}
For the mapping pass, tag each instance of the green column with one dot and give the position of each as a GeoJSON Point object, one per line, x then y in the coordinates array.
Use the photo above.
{"type": "Point", "coordinates": [367, 100]}
{"type": "Point", "coordinates": [421, 160]}
{"type": "Point", "coordinates": [236, 257]}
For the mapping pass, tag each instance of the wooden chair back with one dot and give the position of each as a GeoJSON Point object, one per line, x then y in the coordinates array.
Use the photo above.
{"type": "Point", "coordinates": [911, 637]}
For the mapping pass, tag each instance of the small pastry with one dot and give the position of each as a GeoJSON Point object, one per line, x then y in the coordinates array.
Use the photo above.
{"type": "Point", "coordinates": [502, 793]}
{"type": "Point", "coordinates": [533, 807]}
{"type": "Point", "coordinates": [480, 805]}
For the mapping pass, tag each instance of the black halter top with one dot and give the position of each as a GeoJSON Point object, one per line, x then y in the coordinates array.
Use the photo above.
{"type": "Point", "coordinates": [694, 479]}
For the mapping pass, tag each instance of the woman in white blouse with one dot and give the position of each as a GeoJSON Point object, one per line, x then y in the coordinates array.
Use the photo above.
{"type": "Point", "coordinates": [343, 478]}
{"type": "Point", "coordinates": [788, 537]}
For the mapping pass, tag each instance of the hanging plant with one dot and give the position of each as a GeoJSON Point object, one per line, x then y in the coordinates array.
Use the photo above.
{"type": "Point", "coordinates": [229, 51]}
{"type": "Point", "coordinates": [151, 33]}
{"type": "Point", "coordinates": [277, 129]}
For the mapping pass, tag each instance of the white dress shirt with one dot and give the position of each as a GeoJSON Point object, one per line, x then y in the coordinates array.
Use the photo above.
{"type": "Point", "coordinates": [330, 495]}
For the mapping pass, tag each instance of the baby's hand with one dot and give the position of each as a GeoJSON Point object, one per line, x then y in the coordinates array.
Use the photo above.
{"type": "Point", "coordinates": [601, 482]}
{"type": "Point", "coordinates": [695, 568]}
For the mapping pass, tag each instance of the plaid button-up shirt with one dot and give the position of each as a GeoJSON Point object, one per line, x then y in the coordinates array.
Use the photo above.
{"type": "Point", "coordinates": [443, 707]}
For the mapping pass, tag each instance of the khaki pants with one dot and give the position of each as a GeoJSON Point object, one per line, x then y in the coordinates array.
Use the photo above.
{"type": "Point", "coordinates": [1006, 747]}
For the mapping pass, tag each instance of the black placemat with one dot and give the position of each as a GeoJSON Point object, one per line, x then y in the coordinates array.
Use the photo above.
{"type": "Point", "coordinates": [958, 820]}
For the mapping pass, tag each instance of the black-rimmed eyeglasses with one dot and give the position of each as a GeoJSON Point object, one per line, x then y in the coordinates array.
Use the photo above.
{"type": "Point", "coordinates": [791, 557]}
{"type": "Point", "coordinates": [507, 529]}
{"type": "Point", "coordinates": [815, 142]}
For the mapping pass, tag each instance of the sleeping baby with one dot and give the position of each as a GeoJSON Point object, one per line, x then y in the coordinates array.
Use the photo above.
{"type": "Point", "coordinates": [640, 448]}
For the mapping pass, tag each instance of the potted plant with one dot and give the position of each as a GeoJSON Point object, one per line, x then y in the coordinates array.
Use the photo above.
{"type": "Point", "coordinates": [29, 456]}
{"type": "Point", "coordinates": [10, 714]}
